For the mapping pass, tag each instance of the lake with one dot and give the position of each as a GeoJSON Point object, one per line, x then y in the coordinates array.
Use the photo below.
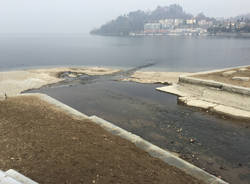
{"type": "Point", "coordinates": [221, 145]}
{"type": "Point", "coordinates": [168, 53]}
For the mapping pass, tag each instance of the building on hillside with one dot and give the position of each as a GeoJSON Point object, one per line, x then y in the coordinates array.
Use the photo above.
{"type": "Point", "coordinates": [166, 23]}
{"type": "Point", "coordinates": [242, 24]}
{"type": "Point", "coordinates": [205, 23]}
{"type": "Point", "coordinates": [178, 22]}
{"type": "Point", "coordinates": [170, 23]}
{"type": "Point", "coordinates": [152, 27]}
{"type": "Point", "coordinates": [191, 21]}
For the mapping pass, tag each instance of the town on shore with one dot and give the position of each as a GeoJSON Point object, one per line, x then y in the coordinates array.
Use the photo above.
{"type": "Point", "coordinates": [173, 20]}
{"type": "Point", "coordinates": [194, 27]}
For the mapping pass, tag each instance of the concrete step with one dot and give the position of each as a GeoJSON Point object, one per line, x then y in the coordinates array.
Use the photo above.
{"type": "Point", "coordinates": [13, 177]}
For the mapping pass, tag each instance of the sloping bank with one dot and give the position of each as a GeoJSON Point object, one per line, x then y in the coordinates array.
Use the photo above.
{"type": "Point", "coordinates": [35, 125]}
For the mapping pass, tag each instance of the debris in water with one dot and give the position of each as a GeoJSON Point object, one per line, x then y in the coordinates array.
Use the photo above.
{"type": "Point", "coordinates": [192, 140]}
{"type": "Point", "coordinates": [179, 130]}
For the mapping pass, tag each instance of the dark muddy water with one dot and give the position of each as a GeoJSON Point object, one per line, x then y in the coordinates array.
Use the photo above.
{"type": "Point", "coordinates": [218, 145]}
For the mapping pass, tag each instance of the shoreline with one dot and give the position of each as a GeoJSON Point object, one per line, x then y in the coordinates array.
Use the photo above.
{"type": "Point", "coordinates": [209, 35]}
{"type": "Point", "coordinates": [49, 76]}
{"type": "Point", "coordinates": [189, 89]}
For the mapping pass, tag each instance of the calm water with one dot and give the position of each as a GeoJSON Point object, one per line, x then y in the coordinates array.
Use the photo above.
{"type": "Point", "coordinates": [169, 53]}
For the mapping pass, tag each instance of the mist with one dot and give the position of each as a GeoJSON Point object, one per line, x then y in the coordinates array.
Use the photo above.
{"type": "Point", "coordinates": [77, 16]}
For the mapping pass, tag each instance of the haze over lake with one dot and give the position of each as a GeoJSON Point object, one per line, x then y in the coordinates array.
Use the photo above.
{"type": "Point", "coordinates": [168, 53]}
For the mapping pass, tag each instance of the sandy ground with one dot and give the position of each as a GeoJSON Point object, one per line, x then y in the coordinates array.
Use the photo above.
{"type": "Point", "coordinates": [227, 78]}
{"type": "Point", "coordinates": [14, 82]}
{"type": "Point", "coordinates": [155, 77]}
{"type": "Point", "coordinates": [50, 146]}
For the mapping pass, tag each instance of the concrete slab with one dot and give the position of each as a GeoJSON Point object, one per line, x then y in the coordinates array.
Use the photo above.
{"type": "Point", "coordinates": [2, 174]}
{"type": "Point", "coordinates": [200, 104]}
{"type": "Point", "coordinates": [173, 90]}
{"type": "Point", "coordinates": [8, 180]}
{"type": "Point", "coordinates": [230, 111]}
{"type": "Point", "coordinates": [19, 177]}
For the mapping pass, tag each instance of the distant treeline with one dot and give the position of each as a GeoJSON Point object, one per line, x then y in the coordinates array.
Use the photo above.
{"type": "Point", "coordinates": [134, 21]}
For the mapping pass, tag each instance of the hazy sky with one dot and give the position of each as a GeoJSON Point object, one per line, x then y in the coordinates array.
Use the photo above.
{"type": "Point", "coordinates": [79, 16]}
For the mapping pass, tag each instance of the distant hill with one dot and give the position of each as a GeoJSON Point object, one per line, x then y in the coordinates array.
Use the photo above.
{"type": "Point", "coordinates": [134, 21]}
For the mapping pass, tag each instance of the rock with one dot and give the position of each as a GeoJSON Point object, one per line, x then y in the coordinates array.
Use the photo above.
{"type": "Point", "coordinates": [228, 73]}
{"type": "Point", "coordinates": [72, 75]}
{"type": "Point", "coordinates": [222, 168]}
{"type": "Point", "coordinates": [192, 140]}
{"type": "Point", "coordinates": [241, 78]}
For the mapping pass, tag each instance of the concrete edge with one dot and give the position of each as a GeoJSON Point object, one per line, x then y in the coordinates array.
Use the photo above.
{"type": "Point", "coordinates": [172, 89]}
{"type": "Point", "coordinates": [231, 112]}
{"type": "Point", "coordinates": [157, 152]}
{"type": "Point", "coordinates": [214, 71]}
{"type": "Point", "coordinates": [214, 84]}
{"type": "Point", "coordinates": [19, 177]}
{"type": "Point", "coordinates": [153, 150]}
